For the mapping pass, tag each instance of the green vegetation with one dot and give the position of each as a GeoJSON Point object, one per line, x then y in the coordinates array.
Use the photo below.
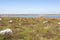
{"type": "Point", "coordinates": [32, 28]}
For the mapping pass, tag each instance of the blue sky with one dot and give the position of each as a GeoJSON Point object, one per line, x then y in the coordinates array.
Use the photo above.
{"type": "Point", "coordinates": [29, 6]}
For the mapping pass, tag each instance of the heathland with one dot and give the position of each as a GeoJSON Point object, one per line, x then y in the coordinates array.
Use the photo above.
{"type": "Point", "coordinates": [39, 28]}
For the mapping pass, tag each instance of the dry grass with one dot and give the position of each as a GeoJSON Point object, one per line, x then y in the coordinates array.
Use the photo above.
{"type": "Point", "coordinates": [32, 28]}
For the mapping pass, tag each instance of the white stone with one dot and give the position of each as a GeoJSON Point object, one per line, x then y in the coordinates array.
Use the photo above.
{"type": "Point", "coordinates": [58, 22]}
{"type": "Point", "coordinates": [11, 21]}
{"type": "Point", "coordinates": [2, 32]}
{"type": "Point", "coordinates": [0, 18]}
{"type": "Point", "coordinates": [45, 21]}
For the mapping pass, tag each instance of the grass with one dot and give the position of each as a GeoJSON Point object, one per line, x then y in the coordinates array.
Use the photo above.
{"type": "Point", "coordinates": [32, 28]}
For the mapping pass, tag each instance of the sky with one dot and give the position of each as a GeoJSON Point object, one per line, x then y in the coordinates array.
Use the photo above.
{"type": "Point", "coordinates": [29, 6]}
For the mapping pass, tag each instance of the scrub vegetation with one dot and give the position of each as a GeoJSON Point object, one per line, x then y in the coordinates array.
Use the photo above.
{"type": "Point", "coordinates": [39, 28]}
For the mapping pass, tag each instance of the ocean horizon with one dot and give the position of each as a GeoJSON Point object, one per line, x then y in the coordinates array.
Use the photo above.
{"type": "Point", "coordinates": [31, 15]}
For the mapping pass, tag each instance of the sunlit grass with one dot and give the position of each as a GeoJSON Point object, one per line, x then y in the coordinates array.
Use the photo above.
{"type": "Point", "coordinates": [32, 28]}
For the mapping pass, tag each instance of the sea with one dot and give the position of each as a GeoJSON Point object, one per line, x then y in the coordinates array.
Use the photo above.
{"type": "Point", "coordinates": [31, 15]}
